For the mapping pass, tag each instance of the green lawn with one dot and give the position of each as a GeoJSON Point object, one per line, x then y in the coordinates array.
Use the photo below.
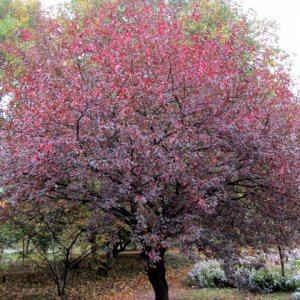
{"type": "Point", "coordinates": [232, 294]}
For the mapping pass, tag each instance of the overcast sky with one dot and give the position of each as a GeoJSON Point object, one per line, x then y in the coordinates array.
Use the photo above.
{"type": "Point", "coordinates": [285, 13]}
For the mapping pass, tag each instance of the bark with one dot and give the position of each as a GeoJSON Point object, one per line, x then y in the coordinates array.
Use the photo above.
{"type": "Point", "coordinates": [23, 249]}
{"type": "Point", "coordinates": [282, 264]}
{"type": "Point", "coordinates": [103, 265]}
{"type": "Point", "coordinates": [157, 277]}
{"type": "Point", "coordinates": [27, 245]}
{"type": "Point", "coordinates": [120, 247]}
{"type": "Point", "coordinates": [61, 291]}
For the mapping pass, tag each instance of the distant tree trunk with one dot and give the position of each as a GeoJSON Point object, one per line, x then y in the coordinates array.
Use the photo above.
{"type": "Point", "coordinates": [107, 265]}
{"type": "Point", "coordinates": [27, 245]}
{"type": "Point", "coordinates": [23, 249]}
{"type": "Point", "coordinates": [157, 277]}
{"type": "Point", "coordinates": [103, 266]}
{"type": "Point", "coordinates": [120, 247]}
{"type": "Point", "coordinates": [61, 290]}
{"type": "Point", "coordinates": [281, 255]}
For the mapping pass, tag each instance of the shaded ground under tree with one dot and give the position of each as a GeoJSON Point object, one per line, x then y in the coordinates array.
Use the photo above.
{"type": "Point", "coordinates": [127, 281]}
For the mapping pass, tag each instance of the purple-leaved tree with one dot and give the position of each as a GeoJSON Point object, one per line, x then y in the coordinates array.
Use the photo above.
{"type": "Point", "coordinates": [166, 123]}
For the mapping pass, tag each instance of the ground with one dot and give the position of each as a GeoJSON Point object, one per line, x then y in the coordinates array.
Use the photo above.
{"type": "Point", "coordinates": [126, 281]}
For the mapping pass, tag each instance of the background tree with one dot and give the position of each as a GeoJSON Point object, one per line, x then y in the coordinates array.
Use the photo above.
{"type": "Point", "coordinates": [16, 14]}
{"type": "Point", "coordinates": [58, 234]}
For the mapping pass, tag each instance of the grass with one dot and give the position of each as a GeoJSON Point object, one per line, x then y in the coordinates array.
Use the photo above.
{"type": "Point", "coordinates": [232, 294]}
{"type": "Point", "coordinates": [297, 263]}
{"type": "Point", "coordinates": [7, 259]}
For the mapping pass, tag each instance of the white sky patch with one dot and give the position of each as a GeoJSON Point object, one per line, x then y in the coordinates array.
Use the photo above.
{"type": "Point", "coordinates": [286, 15]}
{"type": "Point", "coordinates": [4, 101]}
{"type": "Point", "coordinates": [48, 3]}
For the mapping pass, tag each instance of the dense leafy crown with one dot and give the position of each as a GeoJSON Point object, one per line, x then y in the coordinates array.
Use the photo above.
{"type": "Point", "coordinates": [136, 110]}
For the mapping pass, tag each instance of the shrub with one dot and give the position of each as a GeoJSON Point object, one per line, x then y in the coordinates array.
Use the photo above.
{"type": "Point", "coordinates": [296, 296]}
{"type": "Point", "coordinates": [207, 274]}
{"type": "Point", "coordinates": [263, 281]}
{"type": "Point", "coordinates": [210, 273]}
{"type": "Point", "coordinates": [252, 262]}
{"type": "Point", "coordinates": [243, 278]}
{"type": "Point", "coordinates": [269, 282]}
{"type": "Point", "coordinates": [297, 275]}
{"type": "Point", "coordinates": [286, 284]}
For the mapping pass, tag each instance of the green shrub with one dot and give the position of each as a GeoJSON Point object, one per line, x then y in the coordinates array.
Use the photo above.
{"type": "Point", "coordinates": [263, 281]}
{"type": "Point", "coordinates": [269, 282]}
{"type": "Point", "coordinates": [286, 284]}
{"type": "Point", "coordinates": [210, 273]}
{"type": "Point", "coordinates": [207, 274]}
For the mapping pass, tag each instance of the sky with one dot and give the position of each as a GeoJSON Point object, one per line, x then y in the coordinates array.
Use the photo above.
{"type": "Point", "coordinates": [284, 12]}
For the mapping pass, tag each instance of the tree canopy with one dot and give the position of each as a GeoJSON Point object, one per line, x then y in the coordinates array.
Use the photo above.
{"type": "Point", "coordinates": [173, 128]}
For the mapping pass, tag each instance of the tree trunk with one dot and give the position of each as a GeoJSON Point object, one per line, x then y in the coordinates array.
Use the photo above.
{"type": "Point", "coordinates": [61, 291]}
{"type": "Point", "coordinates": [157, 277]}
{"type": "Point", "coordinates": [281, 255]}
{"type": "Point", "coordinates": [27, 245]}
{"type": "Point", "coordinates": [23, 249]}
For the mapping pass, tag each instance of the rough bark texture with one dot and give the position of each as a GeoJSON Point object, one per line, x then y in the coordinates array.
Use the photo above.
{"type": "Point", "coordinates": [282, 264]}
{"type": "Point", "coordinates": [157, 277]}
{"type": "Point", "coordinates": [61, 291]}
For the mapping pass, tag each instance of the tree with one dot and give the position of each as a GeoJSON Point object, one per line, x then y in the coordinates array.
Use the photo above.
{"type": "Point", "coordinates": [16, 14]}
{"type": "Point", "coordinates": [165, 119]}
{"type": "Point", "coordinates": [58, 233]}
